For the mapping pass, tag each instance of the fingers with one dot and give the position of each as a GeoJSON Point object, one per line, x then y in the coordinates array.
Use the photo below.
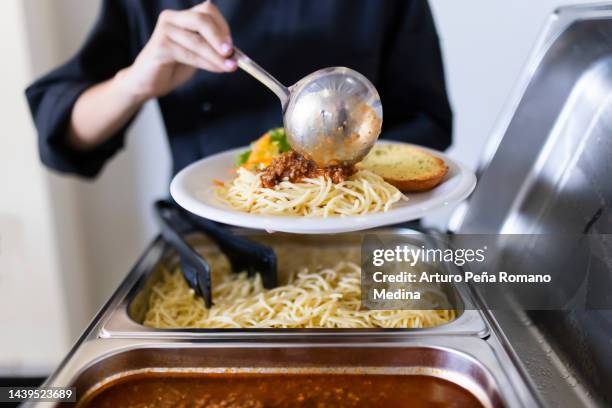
{"type": "Point", "coordinates": [194, 43]}
{"type": "Point", "coordinates": [202, 33]}
{"type": "Point", "coordinates": [188, 57]}
{"type": "Point", "coordinates": [209, 8]}
{"type": "Point", "coordinates": [203, 24]}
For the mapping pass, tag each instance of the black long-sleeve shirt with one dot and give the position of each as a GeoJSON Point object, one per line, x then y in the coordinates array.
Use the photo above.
{"type": "Point", "coordinates": [392, 42]}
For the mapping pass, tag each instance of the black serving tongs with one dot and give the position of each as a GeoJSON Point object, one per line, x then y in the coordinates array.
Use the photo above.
{"type": "Point", "coordinates": [243, 254]}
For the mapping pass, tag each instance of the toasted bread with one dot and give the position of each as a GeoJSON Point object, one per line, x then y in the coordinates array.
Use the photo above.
{"type": "Point", "coordinates": [408, 168]}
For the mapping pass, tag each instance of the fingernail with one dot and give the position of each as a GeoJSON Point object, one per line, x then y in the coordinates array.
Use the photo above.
{"type": "Point", "coordinates": [230, 64]}
{"type": "Point", "coordinates": [226, 48]}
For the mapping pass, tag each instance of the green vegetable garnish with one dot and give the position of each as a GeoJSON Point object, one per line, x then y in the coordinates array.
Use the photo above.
{"type": "Point", "coordinates": [278, 137]}
{"type": "Point", "coordinates": [276, 144]}
{"type": "Point", "coordinates": [244, 157]}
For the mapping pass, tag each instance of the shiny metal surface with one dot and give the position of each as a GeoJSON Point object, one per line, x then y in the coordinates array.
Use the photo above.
{"type": "Point", "coordinates": [332, 116]}
{"type": "Point", "coordinates": [464, 351]}
{"type": "Point", "coordinates": [462, 364]}
{"type": "Point", "coordinates": [548, 171]}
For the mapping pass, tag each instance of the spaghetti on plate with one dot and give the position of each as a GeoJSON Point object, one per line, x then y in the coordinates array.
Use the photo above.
{"type": "Point", "coordinates": [362, 193]}
{"type": "Point", "coordinates": [274, 180]}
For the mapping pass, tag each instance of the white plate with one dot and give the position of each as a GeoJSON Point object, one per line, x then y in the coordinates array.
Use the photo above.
{"type": "Point", "coordinates": [192, 190]}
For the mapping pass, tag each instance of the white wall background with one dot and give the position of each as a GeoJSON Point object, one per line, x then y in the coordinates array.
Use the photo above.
{"type": "Point", "coordinates": [29, 261]}
{"type": "Point", "coordinates": [67, 243]}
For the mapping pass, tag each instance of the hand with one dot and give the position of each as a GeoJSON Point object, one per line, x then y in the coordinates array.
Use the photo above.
{"type": "Point", "coordinates": [182, 42]}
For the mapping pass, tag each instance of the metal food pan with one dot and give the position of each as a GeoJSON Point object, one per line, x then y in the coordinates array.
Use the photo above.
{"type": "Point", "coordinates": [465, 362]}
{"type": "Point", "coordinates": [126, 314]}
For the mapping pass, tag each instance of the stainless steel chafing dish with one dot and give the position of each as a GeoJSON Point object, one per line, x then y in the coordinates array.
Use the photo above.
{"type": "Point", "coordinates": [463, 351]}
{"type": "Point", "coordinates": [504, 358]}
{"type": "Point", "coordinates": [125, 320]}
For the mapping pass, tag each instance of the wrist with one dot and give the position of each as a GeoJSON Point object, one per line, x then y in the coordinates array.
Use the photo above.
{"type": "Point", "coordinates": [128, 85]}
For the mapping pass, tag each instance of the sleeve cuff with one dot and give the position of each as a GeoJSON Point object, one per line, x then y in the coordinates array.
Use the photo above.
{"type": "Point", "coordinates": [53, 146]}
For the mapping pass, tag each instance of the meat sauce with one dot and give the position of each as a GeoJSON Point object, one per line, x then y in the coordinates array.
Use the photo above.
{"type": "Point", "coordinates": [275, 390]}
{"type": "Point", "coordinates": [295, 167]}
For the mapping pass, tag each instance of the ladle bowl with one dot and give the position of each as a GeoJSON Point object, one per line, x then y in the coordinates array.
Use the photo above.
{"type": "Point", "coordinates": [332, 116]}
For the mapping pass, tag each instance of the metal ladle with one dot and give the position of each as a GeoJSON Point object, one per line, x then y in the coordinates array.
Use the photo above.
{"type": "Point", "coordinates": [332, 116]}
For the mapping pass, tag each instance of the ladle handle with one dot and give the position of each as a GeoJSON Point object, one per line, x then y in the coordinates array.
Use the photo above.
{"type": "Point", "coordinates": [257, 72]}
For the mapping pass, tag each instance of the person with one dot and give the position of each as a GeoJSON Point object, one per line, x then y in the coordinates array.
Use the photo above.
{"type": "Point", "coordinates": [179, 52]}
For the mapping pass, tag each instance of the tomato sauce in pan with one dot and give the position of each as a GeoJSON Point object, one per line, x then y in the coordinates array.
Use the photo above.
{"type": "Point", "coordinates": [280, 390]}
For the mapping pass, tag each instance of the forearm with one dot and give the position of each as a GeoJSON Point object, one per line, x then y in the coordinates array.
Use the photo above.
{"type": "Point", "coordinates": [101, 111]}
